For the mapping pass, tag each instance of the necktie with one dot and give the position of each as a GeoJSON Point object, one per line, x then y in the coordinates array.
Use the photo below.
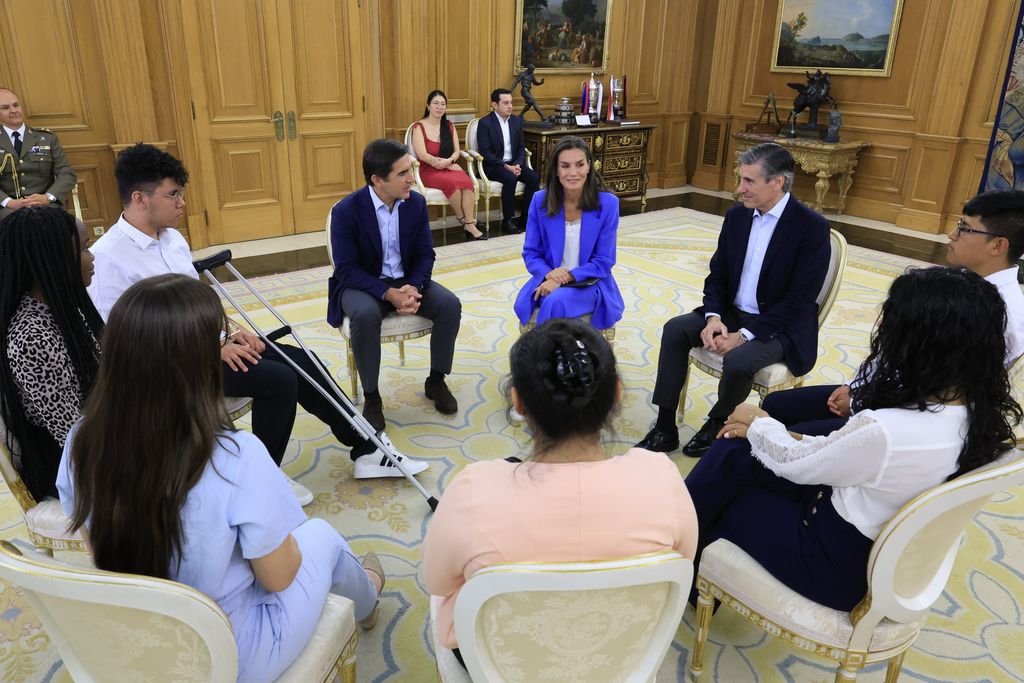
{"type": "Point", "coordinates": [17, 142]}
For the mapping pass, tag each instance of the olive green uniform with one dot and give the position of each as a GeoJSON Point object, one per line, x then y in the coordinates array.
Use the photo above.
{"type": "Point", "coordinates": [42, 167]}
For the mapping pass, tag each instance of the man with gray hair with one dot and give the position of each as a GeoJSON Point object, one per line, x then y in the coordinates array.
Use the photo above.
{"type": "Point", "coordinates": [759, 298]}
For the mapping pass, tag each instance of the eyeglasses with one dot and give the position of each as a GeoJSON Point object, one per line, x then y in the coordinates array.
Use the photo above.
{"type": "Point", "coordinates": [961, 228]}
{"type": "Point", "coordinates": [176, 196]}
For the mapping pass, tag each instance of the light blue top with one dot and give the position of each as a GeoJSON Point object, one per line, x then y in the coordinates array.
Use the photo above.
{"type": "Point", "coordinates": [241, 508]}
{"type": "Point", "coordinates": [387, 221]}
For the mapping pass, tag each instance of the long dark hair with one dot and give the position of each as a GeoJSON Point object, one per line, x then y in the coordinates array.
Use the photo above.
{"type": "Point", "coordinates": [564, 373]}
{"type": "Point", "coordinates": [589, 200]}
{"type": "Point", "coordinates": [40, 247]}
{"type": "Point", "coordinates": [941, 337]}
{"type": "Point", "coordinates": [447, 146]}
{"type": "Point", "coordinates": [150, 423]}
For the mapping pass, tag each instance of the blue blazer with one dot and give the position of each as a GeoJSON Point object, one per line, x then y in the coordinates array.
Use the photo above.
{"type": "Point", "coordinates": [793, 271]}
{"type": "Point", "coordinates": [542, 252]}
{"type": "Point", "coordinates": [491, 144]}
{"type": "Point", "coordinates": [359, 253]}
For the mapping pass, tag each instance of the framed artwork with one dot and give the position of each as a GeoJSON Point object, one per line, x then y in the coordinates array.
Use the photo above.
{"type": "Point", "coordinates": [1004, 167]}
{"type": "Point", "coordinates": [562, 36]}
{"type": "Point", "coordinates": [839, 36]}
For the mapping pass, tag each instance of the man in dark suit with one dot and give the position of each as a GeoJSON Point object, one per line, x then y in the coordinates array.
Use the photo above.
{"type": "Point", "coordinates": [759, 298]}
{"type": "Point", "coordinates": [44, 174]}
{"type": "Point", "coordinates": [384, 256]}
{"type": "Point", "coordinates": [500, 141]}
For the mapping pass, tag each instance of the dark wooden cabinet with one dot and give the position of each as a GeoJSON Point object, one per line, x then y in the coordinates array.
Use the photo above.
{"type": "Point", "coordinates": [620, 154]}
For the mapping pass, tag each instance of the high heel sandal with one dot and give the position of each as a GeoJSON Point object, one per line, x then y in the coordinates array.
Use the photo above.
{"type": "Point", "coordinates": [470, 236]}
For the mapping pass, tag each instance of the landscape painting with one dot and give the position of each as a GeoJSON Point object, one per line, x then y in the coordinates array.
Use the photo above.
{"type": "Point", "coordinates": [562, 36]}
{"type": "Point", "coordinates": [839, 36]}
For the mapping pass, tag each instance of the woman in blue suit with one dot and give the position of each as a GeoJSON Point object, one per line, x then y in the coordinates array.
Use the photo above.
{"type": "Point", "coordinates": [570, 243]}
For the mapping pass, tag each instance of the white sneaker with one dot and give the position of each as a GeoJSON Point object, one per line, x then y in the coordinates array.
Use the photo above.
{"type": "Point", "coordinates": [301, 493]}
{"type": "Point", "coordinates": [375, 465]}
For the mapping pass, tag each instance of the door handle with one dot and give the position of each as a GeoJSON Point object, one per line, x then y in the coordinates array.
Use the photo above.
{"type": "Point", "coordinates": [291, 125]}
{"type": "Point", "coordinates": [278, 120]}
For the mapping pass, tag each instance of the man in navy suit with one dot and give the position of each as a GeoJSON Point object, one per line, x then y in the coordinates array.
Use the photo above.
{"type": "Point", "coordinates": [759, 298]}
{"type": "Point", "coordinates": [384, 256]}
{"type": "Point", "coordinates": [500, 141]}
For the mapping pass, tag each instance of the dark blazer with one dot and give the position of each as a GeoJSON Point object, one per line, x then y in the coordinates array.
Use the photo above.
{"type": "Point", "coordinates": [545, 242]}
{"type": "Point", "coordinates": [359, 254]}
{"type": "Point", "coordinates": [491, 144]}
{"type": "Point", "coordinates": [793, 271]}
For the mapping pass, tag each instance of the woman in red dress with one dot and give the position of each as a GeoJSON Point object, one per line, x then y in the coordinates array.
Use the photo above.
{"type": "Point", "coordinates": [437, 148]}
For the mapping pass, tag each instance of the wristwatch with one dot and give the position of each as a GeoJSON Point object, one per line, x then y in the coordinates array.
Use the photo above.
{"type": "Point", "coordinates": [51, 197]}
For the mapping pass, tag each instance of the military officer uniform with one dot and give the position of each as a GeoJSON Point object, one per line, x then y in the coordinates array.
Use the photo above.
{"type": "Point", "coordinates": [42, 167]}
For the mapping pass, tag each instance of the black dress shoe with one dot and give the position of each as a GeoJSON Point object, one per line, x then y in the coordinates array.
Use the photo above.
{"type": "Point", "coordinates": [510, 227]}
{"type": "Point", "coordinates": [438, 392]}
{"type": "Point", "coordinates": [659, 441]}
{"type": "Point", "coordinates": [703, 439]}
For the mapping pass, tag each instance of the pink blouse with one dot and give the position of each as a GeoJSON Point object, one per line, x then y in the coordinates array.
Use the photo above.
{"type": "Point", "coordinates": [564, 512]}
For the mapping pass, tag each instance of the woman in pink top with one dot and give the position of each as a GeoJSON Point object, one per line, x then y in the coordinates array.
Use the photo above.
{"type": "Point", "coordinates": [570, 501]}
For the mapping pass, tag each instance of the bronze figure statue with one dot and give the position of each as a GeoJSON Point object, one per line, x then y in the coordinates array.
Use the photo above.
{"type": "Point", "coordinates": [526, 80]}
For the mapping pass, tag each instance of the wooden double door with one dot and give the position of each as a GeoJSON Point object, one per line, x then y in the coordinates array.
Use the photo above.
{"type": "Point", "coordinates": [277, 97]}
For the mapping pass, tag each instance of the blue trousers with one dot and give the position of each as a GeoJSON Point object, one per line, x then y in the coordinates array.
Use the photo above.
{"type": "Point", "coordinates": [280, 626]}
{"type": "Point", "coordinates": [792, 530]}
{"type": "Point", "coordinates": [804, 410]}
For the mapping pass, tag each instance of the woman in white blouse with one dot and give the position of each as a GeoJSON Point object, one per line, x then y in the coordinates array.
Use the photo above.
{"type": "Point", "coordinates": [936, 404]}
{"type": "Point", "coordinates": [571, 231]}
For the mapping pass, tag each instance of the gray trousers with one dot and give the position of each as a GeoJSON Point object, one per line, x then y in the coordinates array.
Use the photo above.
{"type": "Point", "coordinates": [739, 366]}
{"type": "Point", "coordinates": [366, 312]}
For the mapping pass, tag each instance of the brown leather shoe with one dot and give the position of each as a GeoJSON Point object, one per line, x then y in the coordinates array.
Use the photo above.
{"type": "Point", "coordinates": [373, 411]}
{"type": "Point", "coordinates": [441, 395]}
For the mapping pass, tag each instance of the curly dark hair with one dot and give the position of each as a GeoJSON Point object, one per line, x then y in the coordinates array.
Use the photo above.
{"type": "Point", "coordinates": [564, 373]}
{"type": "Point", "coordinates": [40, 247]}
{"type": "Point", "coordinates": [940, 337]}
{"type": "Point", "coordinates": [143, 167]}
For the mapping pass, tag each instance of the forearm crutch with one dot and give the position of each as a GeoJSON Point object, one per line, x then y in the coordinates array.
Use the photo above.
{"type": "Point", "coordinates": [340, 400]}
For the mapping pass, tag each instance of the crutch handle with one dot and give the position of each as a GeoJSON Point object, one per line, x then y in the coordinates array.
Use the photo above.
{"type": "Point", "coordinates": [280, 332]}
{"type": "Point", "coordinates": [211, 262]}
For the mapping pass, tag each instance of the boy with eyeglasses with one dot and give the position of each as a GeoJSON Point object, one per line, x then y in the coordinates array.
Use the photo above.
{"type": "Point", "coordinates": [988, 240]}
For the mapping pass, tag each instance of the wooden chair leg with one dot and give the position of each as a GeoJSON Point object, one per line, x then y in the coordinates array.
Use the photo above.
{"type": "Point", "coordinates": [705, 609]}
{"type": "Point", "coordinates": [892, 672]}
{"type": "Point", "coordinates": [487, 215]}
{"type": "Point", "coordinates": [348, 661]}
{"type": "Point", "coordinates": [848, 670]}
{"type": "Point", "coordinates": [401, 352]}
{"type": "Point", "coordinates": [353, 374]}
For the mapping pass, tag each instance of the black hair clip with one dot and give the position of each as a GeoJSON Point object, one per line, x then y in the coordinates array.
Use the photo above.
{"type": "Point", "coordinates": [575, 373]}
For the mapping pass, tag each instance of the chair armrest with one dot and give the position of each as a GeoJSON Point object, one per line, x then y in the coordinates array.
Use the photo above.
{"type": "Point", "coordinates": [416, 176]}
{"type": "Point", "coordinates": [470, 161]}
{"type": "Point", "coordinates": [529, 154]}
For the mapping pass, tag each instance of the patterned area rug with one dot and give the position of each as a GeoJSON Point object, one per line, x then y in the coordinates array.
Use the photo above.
{"type": "Point", "coordinates": [975, 632]}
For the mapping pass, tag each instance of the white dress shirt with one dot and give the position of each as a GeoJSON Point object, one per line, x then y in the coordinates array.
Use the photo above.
{"type": "Point", "coordinates": [762, 227]}
{"type": "Point", "coordinates": [571, 250]}
{"type": "Point", "coordinates": [125, 255]}
{"type": "Point", "coordinates": [1006, 282]}
{"type": "Point", "coordinates": [506, 137]}
{"type": "Point", "coordinates": [387, 222]}
{"type": "Point", "coordinates": [875, 464]}
{"type": "Point", "coordinates": [10, 136]}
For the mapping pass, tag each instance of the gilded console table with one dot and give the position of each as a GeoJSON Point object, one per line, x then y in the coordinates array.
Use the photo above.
{"type": "Point", "coordinates": [823, 159]}
{"type": "Point", "coordinates": [620, 154]}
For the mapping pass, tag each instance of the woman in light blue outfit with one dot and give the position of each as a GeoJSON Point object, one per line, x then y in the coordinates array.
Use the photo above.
{"type": "Point", "coordinates": [161, 484]}
{"type": "Point", "coordinates": [569, 250]}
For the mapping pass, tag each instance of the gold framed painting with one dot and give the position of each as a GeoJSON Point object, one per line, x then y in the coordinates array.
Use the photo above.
{"type": "Point", "coordinates": [838, 36]}
{"type": "Point", "coordinates": [562, 36]}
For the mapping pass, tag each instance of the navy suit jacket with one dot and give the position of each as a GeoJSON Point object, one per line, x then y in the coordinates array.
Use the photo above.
{"type": "Point", "coordinates": [491, 144]}
{"type": "Point", "coordinates": [359, 253]}
{"type": "Point", "coordinates": [794, 268]}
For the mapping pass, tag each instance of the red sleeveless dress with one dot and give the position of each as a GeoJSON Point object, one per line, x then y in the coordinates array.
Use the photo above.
{"type": "Point", "coordinates": [448, 180]}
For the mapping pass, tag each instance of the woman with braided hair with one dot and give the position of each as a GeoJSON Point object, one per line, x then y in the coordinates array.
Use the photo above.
{"type": "Point", "coordinates": [48, 338]}
{"type": "Point", "coordinates": [570, 500]}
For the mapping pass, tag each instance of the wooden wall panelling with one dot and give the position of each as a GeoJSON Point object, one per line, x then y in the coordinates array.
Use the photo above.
{"type": "Point", "coordinates": [711, 163]}
{"type": "Point", "coordinates": [59, 92]}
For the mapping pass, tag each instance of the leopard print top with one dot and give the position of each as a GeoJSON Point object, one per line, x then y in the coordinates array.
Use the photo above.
{"type": "Point", "coordinates": [49, 388]}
